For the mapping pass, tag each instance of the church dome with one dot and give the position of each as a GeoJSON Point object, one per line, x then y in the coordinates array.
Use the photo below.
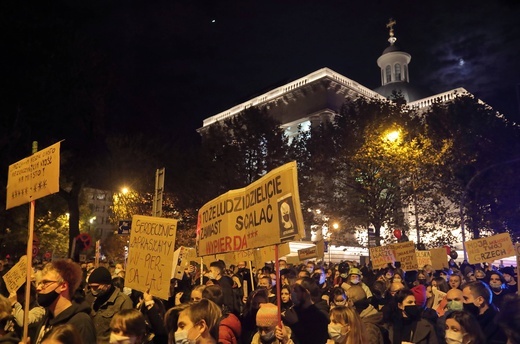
{"type": "Point", "coordinates": [391, 49]}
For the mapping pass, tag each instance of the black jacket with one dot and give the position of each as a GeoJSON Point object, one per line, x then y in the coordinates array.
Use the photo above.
{"type": "Point", "coordinates": [76, 315]}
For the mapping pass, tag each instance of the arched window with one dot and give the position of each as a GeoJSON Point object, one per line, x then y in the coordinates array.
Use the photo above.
{"type": "Point", "coordinates": [388, 71]}
{"type": "Point", "coordinates": [406, 72]}
{"type": "Point", "coordinates": [397, 72]}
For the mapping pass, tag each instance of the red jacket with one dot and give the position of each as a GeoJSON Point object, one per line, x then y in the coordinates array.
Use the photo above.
{"type": "Point", "coordinates": [229, 330]}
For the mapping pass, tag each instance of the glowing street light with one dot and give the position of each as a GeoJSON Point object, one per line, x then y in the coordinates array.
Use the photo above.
{"type": "Point", "coordinates": [393, 136]}
{"type": "Point", "coordinates": [335, 225]}
{"type": "Point", "coordinates": [125, 190]}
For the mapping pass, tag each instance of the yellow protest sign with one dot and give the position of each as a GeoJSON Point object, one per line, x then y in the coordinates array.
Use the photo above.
{"type": "Point", "coordinates": [439, 258]}
{"type": "Point", "coordinates": [308, 253]}
{"type": "Point", "coordinates": [381, 256]}
{"type": "Point", "coordinates": [34, 177]}
{"type": "Point", "coordinates": [16, 276]}
{"type": "Point", "coordinates": [423, 258]}
{"type": "Point", "coordinates": [150, 255]}
{"type": "Point", "coordinates": [181, 260]}
{"type": "Point", "coordinates": [404, 252]}
{"type": "Point", "coordinates": [265, 213]}
{"type": "Point", "coordinates": [489, 249]}
{"type": "Point", "coordinates": [267, 254]}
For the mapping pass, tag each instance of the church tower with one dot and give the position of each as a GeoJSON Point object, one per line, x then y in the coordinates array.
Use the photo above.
{"type": "Point", "coordinates": [394, 70]}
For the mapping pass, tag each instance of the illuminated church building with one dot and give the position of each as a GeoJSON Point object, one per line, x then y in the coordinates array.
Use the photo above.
{"type": "Point", "coordinates": [320, 95]}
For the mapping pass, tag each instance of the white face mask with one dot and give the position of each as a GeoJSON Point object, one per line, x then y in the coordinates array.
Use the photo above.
{"type": "Point", "coordinates": [119, 339]}
{"type": "Point", "coordinates": [453, 337]}
{"type": "Point", "coordinates": [336, 332]}
{"type": "Point", "coordinates": [181, 337]}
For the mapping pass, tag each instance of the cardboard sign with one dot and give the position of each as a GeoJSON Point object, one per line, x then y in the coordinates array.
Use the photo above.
{"type": "Point", "coordinates": [265, 213]}
{"type": "Point", "coordinates": [267, 254]}
{"type": "Point", "coordinates": [423, 258]}
{"type": "Point", "coordinates": [405, 253]}
{"type": "Point", "coordinates": [16, 276]}
{"type": "Point", "coordinates": [181, 260]}
{"type": "Point", "coordinates": [34, 177]}
{"type": "Point", "coordinates": [381, 256]}
{"type": "Point", "coordinates": [439, 258]}
{"type": "Point", "coordinates": [150, 255]}
{"type": "Point", "coordinates": [489, 249]}
{"type": "Point", "coordinates": [308, 253]}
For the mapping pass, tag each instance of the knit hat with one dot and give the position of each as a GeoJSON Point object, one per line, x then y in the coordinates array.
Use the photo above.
{"type": "Point", "coordinates": [508, 270]}
{"type": "Point", "coordinates": [267, 315]}
{"type": "Point", "coordinates": [419, 292]}
{"type": "Point", "coordinates": [100, 275]}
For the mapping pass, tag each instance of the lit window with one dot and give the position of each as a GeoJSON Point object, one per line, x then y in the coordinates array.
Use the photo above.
{"type": "Point", "coordinates": [398, 72]}
{"type": "Point", "coordinates": [388, 71]}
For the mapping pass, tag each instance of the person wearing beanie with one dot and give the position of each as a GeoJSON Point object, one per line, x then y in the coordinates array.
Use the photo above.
{"type": "Point", "coordinates": [108, 301]}
{"type": "Point", "coordinates": [509, 276]}
{"type": "Point", "coordinates": [268, 329]}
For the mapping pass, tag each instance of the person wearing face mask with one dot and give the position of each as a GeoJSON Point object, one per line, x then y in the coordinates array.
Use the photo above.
{"type": "Point", "coordinates": [407, 325]}
{"type": "Point", "coordinates": [198, 324]}
{"type": "Point", "coordinates": [509, 276]}
{"type": "Point", "coordinates": [268, 330]}
{"type": "Point", "coordinates": [338, 298]}
{"type": "Point", "coordinates": [497, 283]}
{"type": "Point", "coordinates": [346, 327]}
{"type": "Point", "coordinates": [462, 328]}
{"type": "Point", "coordinates": [308, 323]}
{"type": "Point", "coordinates": [371, 318]}
{"type": "Point", "coordinates": [453, 302]}
{"type": "Point", "coordinates": [355, 277]}
{"type": "Point", "coordinates": [128, 326]}
{"type": "Point", "coordinates": [477, 301]}
{"type": "Point", "coordinates": [60, 279]}
{"type": "Point", "coordinates": [108, 301]}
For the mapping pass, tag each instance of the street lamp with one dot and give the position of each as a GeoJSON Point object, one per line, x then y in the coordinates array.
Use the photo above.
{"type": "Point", "coordinates": [393, 135]}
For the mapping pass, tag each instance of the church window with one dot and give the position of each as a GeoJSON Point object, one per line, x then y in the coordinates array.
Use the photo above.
{"type": "Point", "coordinates": [388, 71]}
{"type": "Point", "coordinates": [397, 72]}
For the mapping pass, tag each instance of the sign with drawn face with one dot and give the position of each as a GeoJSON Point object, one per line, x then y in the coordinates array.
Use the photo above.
{"type": "Point", "coordinates": [265, 213]}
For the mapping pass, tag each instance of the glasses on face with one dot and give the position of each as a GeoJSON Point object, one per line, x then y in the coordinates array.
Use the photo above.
{"type": "Point", "coordinates": [45, 283]}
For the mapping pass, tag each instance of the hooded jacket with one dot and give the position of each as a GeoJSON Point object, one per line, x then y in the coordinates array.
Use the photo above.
{"type": "Point", "coordinates": [229, 330]}
{"type": "Point", "coordinates": [77, 315]}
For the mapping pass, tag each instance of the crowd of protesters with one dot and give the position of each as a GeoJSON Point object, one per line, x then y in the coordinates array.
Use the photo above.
{"type": "Point", "coordinates": [318, 303]}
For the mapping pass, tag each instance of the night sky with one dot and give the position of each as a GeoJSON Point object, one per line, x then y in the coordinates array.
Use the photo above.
{"type": "Point", "coordinates": [175, 63]}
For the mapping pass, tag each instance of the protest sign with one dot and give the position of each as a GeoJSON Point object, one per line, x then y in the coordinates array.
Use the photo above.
{"type": "Point", "coordinates": [381, 256]}
{"type": "Point", "coordinates": [423, 258]}
{"type": "Point", "coordinates": [150, 255]}
{"type": "Point", "coordinates": [489, 249]}
{"type": "Point", "coordinates": [405, 253]}
{"type": "Point", "coordinates": [34, 177]}
{"type": "Point", "coordinates": [439, 258]}
{"type": "Point", "coordinates": [16, 276]}
{"type": "Point", "coordinates": [181, 260]}
{"type": "Point", "coordinates": [267, 254]}
{"type": "Point", "coordinates": [265, 213]}
{"type": "Point", "coordinates": [308, 253]}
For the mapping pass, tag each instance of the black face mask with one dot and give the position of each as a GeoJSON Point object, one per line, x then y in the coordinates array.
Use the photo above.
{"type": "Point", "coordinates": [471, 308]}
{"type": "Point", "coordinates": [45, 300]}
{"type": "Point", "coordinates": [413, 312]}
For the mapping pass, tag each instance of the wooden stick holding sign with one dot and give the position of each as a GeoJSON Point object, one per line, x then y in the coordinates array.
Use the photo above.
{"type": "Point", "coordinates": [278, 288]}
{"type": "Point", "coordinates": [251, 274]}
